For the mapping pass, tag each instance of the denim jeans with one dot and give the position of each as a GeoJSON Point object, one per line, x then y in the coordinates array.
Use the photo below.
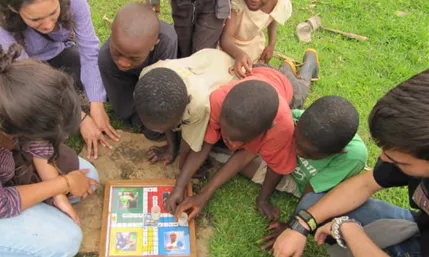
{"type": "Point", "coordinates": [42, 230]}
{"type": "Point", "coordinates": [371, 211]}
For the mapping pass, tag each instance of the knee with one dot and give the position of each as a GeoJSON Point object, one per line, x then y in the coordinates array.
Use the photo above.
{"type": "Point", "coordinates": [93, 173]}
{"type": "Point", "coordinates": [67, 243]}
{"type": "Point", "coordinates": [308, 201]}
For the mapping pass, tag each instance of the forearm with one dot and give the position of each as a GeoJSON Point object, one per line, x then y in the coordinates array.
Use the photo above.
{"type": "Point", "coordinates": [345, 197]}
{"type": "Point", "coordinates": [272, 179]}
{"type": "Point", "coordinates": [184, 151]}
{"type": "Point", "coordinates": [236, 163]}
{"type": "Point", "coordinates": [358, 242]}
{"type": "Point", "coordinates": [45, 190]}
{"type": "Point", "coordinates": [45, 170]}
{"type": "Point", "coordinates": [272, 34]}
{"type": "Point", "coordinates": [229, 47]}
{"type": "Point", "coordinates": [192, 164]}
{"type": "Point", "coordinates": [171, 140]}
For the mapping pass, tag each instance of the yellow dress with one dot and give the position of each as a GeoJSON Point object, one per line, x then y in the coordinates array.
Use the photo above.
{"type": "Point", "coordinates": [249, 36]}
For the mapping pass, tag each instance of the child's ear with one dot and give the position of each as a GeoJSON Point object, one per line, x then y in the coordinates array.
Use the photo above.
{"type": "Point", "coordinates": [153, 47]}
{"type": "Point", "coordinates": [344, 151]}
{"type": "Point", "coordinates": [189, 98]}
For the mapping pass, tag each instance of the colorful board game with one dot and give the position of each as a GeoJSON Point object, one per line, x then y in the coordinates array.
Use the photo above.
{"type": "Point", "coordinates": [136, 224]}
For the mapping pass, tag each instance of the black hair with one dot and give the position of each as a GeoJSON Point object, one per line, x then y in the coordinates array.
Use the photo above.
{"type": "Point", "coordinates": [329, 124]}
{"type": "Point", "coordinates": [160, 97]}
{"type": "Point", "coordinates": [37, 102]}
{"type": "Point", "coordinates": [250, 107]}
{"type": "Point", "coordinates": [400, 119]}
{"type": "Point", "coordinates": [13, 23]}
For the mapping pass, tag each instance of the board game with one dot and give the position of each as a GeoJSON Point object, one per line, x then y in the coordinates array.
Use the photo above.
{"type": "Point", "coordinates": [136, 224]}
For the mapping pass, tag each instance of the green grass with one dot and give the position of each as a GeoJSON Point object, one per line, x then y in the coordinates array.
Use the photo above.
{"type": "Point", "coordinates": [398, 47]}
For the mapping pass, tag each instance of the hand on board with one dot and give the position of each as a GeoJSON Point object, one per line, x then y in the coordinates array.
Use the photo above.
{"type": "Point", "coordinates": [193, 204]}
{"type": "Point", "coordinates": [166, 154]}
{"type": "Point", "coordinates": [267, 54]}
{"type": "Point", "coordinates": [241, 62]}
{"type": "Point", "coordinates": [102, 120]}
{"type": "Point", "coordinates": [174, 199]}
{"type": "Point", "coordinates": [289, 243]}
{"type": "Point", "coordinates": [267, 210]}
{"type": "Point", "coordinates": [275, 230]}
{"type": "Point", "coordinates": [63, 204]}
{"type": "Point", "coordinates": [92, 134]}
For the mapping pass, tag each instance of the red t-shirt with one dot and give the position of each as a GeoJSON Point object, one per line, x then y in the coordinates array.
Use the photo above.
{"type": "Point", "coordinates": [276, 146]}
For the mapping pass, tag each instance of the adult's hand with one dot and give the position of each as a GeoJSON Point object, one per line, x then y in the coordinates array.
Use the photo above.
{"type": "Point", "coordinates": [289, 243]}
{"type": "Point", "coordinates": [102, 120]}
{"type": "Point", "coordinates": [91, 135]}
{"type": "Point", "coordinates": [80, 185]}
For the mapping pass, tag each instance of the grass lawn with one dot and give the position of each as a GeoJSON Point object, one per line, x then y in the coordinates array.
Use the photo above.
{"type": "Point", "coordinates": [362, 72]}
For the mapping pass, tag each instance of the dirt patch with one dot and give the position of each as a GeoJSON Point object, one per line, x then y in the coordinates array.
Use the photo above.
{"type": "Point", "coordinates": [127, 161]}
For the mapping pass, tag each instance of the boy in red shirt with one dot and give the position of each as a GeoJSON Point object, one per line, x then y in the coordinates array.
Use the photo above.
{"type": "Point", "coordinates": [253, 116]}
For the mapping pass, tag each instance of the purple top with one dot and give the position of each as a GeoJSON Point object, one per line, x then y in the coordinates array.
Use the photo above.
{"type": "Point", "coordinates": [10, 200]}
{"type": "Point", "coordinates": [41, 48]}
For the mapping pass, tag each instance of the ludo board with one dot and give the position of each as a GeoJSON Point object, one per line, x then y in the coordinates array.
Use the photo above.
{"type": "Point", "coordinates": [136, 224]}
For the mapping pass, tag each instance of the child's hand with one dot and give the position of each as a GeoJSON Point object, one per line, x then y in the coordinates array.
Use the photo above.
{"type": "Point", "coordinates": [243, 61]}
{"type": "Point", "coordinates": [275, 229]}
{"type": "Point", "coordinates": [266, 209]}
{"type": "Point", "coordinates": [161, 153]}
{"type": "Point", "coordinates": [267, 54]}
{"type": "Point", "coordinates": [63, 204]}
{"type": "Point", "coordinates": [195, 203]}
{"type": "Point", "coordinates": [174, 199]}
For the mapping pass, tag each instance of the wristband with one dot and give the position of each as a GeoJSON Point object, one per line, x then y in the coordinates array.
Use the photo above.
{"type": "Point", "coordinates": [66, 179]}
{"type": "Point", "coordinates": [336, 229]}
{"type": "Point", "coordinates": [309, 219]}
{"type": "Point", "coordinates": [294, 224]}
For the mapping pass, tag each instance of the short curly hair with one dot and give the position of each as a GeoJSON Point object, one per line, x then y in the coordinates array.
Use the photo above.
{"type": "Point", "coordinates": [160, 97]}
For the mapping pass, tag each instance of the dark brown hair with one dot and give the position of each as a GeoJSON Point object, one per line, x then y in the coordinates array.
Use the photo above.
{"type": "Point", "coordinates": [13, 23]}
{"type": "Point", "coordinates": [400, 119]}
{"type": "Point", "coordinates": [37, 102]}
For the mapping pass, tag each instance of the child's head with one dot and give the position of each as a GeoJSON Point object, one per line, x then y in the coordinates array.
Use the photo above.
{"type": "Point", "coordinates": [248, 110]}
{"type": "Point", "coordinates": [37, 102]}
{"type": "Point", "coordinates": [255, 5]}
{"type": "Point", "coordinates": [399, 124]}
{"type": "Point", "coordinates": [326, 128]}
{"type": "Point", "coordinates": [134, 35]}
{"type": "Point", "coordinates": [161, 98]}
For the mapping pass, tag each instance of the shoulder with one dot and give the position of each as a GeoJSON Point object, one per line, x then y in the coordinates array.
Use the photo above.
{"type": "Point", "coordinates": [39, 149]}
{"type": "Point", "coordinates": [282, 11]}
{"type": "Point", "coordinates": [166, 32]}
{"type": "Point", "coordinates": [7, 163]}
{"type": "Point", "coordinates": [78, 6]}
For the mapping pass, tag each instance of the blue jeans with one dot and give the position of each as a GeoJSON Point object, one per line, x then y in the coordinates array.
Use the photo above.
{"type": "Point", "coordinates": [42, 230]}
{"type": "Point", "coordinates": [371, 211]}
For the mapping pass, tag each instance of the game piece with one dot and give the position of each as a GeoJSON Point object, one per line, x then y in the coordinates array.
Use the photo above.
{"type": "Point", "coordinates": [135, 222]}
{"type": "Point", "coordinates": [183, 220]}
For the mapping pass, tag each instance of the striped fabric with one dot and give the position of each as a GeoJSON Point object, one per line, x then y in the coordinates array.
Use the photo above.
{"type": "Point", "coordinates": [46, 48]}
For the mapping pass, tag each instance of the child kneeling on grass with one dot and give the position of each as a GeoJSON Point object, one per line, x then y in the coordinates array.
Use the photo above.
{"type": "Point", "coordinates": [39, 108]}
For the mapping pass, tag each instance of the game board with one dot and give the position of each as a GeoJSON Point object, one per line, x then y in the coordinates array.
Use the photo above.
{"type": "Point", "coordinates": [132, 226]}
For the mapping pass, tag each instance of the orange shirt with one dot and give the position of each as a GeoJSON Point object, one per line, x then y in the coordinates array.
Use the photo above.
{"type": "Point", "coordinates": [276, 146]}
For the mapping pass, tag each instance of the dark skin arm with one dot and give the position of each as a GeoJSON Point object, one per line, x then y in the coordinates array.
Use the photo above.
{"type": "Point", "coordinates": [267, 54]}
{"type": "Point", "coordinates": [228, 46]}
{"type": "Point", "coordinates": [166, 153]}
{"type": "Point", "coordinates": [184, 151]}
{"type": "Point", "coordinates": [265, 208]}
{"type": "Point", "coordinates": [197, 202]}
{"type": "Point", "coordinates": [191, 165]}
{"type": "Point", "coordinates": [277, 228]}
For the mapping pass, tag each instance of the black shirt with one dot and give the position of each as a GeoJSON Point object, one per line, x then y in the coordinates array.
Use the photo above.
{"type": "Point", "coordinates": [389, 175]}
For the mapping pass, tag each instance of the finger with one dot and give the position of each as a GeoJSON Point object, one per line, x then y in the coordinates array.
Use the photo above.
{"type": "Point", "coordinates": [268, 238]}
{"type": "Point", "coordinates": [84, 196]}
{"type": "Point", "coordinates": [89, 149]}
{"type": "Point", "coordinates": [231, 70]}
{"type": "Point", "coordinates": [84, 171]}
{"type": "Point", "coordinates": [90, 191]}
{"type": "Point", "coordinates": [150, 155]}
{"type": "Point", "coordinates": [93, 182]}
{"type": "Point", "coordinates": [270, 252]}
{"type": "Point", "coordinates": [105, 143]}
{"type": "Point", "coordinates": [95, 144]}
{"type": "Point", "coordinates": [268, 245]}
{"type": "Point", "coordinates": [154, 159]}
{"type": "Point", "coordinates": [239, 71]}
{"type": "Point", "coordinates": [276, 214]}
{"type": "Point", "coordinates": [112, 133]}
{"type": "Point", "coordinates": [273, 226]}
{"type": "Point", "coordinates": [194, 213]}
{"type": "Point", "coordinates": [183, 207]}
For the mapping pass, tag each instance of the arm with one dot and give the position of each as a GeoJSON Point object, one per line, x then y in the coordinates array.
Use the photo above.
{"type": "Point", "coordinates": [6, 40]}
{"type": "Point", "coordinates": [265, 208]}
{"type": "Point", "coordinates": [226, 40]}
{"type": "Point", "coordinates": [359, 243]}
{"type": "Point", "coordinates": [45, 170]}
{"type": "Point", "coordinates": [344, 198]}
{"type": "Point", "coordinates": [272, 34]}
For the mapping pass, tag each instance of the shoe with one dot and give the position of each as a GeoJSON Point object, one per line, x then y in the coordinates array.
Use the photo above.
{"type": "Point", "coordinates": [311, 65]}
{"type": "Point", "coordinates": [291, 65]}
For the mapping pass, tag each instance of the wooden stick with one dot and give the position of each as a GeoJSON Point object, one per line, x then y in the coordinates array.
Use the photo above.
{"type": "Point", "coordinates": [347, 34]}
{"type": "Point", "coordinates": [284, 57]}
{"type": "Point", "coordinates": [107, 19]}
